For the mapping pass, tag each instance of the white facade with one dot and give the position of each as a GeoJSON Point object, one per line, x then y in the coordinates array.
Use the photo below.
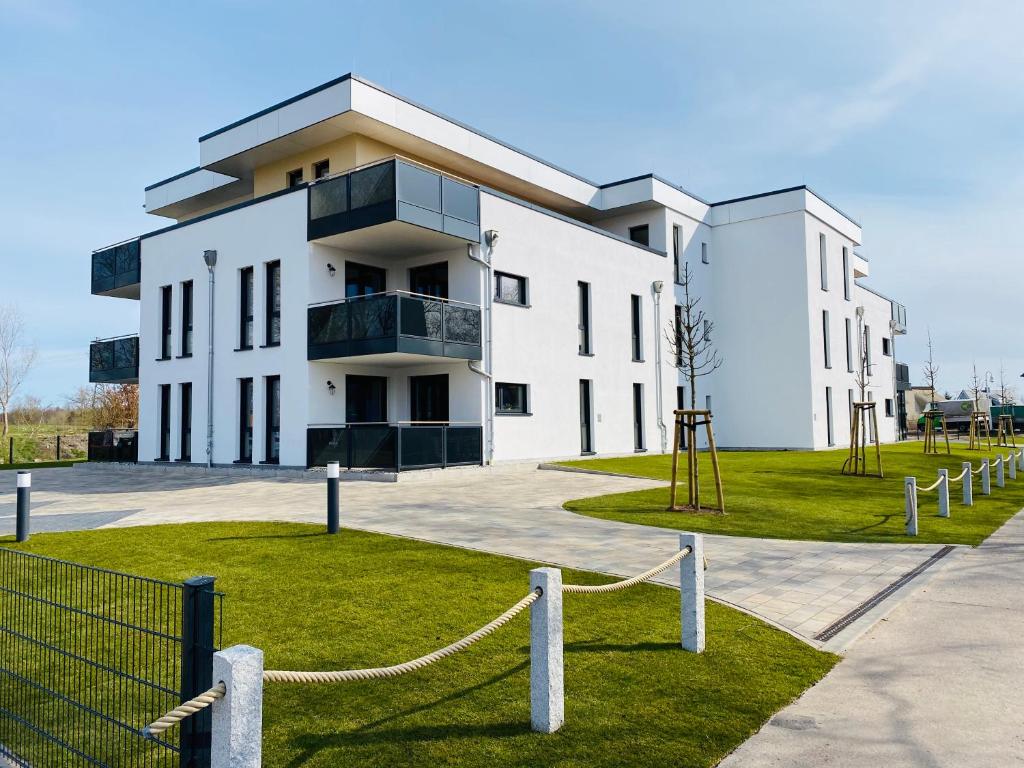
{"type": "Point", "coordinates": [756, 263]}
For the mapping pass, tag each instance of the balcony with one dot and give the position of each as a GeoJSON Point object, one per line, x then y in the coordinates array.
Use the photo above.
{"type": "Point", "coordinates": [394, 328]}
{"type": "Point", "coordinates": [116, 270]}
{"type": "Point", "coordinates": [395, 446]}
{"type": "Point", "coordinates": [394, 207]}
{"type": "Point", "coordinates": [899, 318]}
{"type": "Point", "coordinates": [114, 361]}
{"type": "Point", "coordinates": [902, 377]}
{"type": "Point", "coordinates": [114, 445]}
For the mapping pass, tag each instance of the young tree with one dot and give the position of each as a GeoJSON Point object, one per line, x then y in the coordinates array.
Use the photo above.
{"type": "Point", "coordinates": [976, 388]}
{"type": "Point", "coordinates": [931, 370]}
{"type": "Point", "coordinates": [17, 357]}
{"type": "Point", "coordinates": [862, 374]}
{"type": "Point", "coordinates": [689, 339]}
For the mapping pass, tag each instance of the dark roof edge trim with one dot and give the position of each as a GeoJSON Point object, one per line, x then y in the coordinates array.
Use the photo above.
{"type": "Point", "coordinates": [175, 177]}
{"type": "Point", "coordinates": [656, 177]}
{"type": "Point", "coordinates": [835, 208]}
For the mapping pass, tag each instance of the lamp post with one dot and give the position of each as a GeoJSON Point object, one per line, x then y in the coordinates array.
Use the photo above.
{"type": "Point", "coordinates": [210, 257]}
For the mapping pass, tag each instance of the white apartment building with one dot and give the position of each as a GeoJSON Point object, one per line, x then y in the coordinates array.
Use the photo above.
{"type": "Point", "coordinates": [392, 289]}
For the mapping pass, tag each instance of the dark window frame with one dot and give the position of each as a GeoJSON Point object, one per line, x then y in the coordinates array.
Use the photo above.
{"type": "Point", "coordinates": [293, 178]}
{"type": "Point", "coordinates": [705, 257]}
{"type": "Point", "coordinates": [165, 423]}
{"type": "Point", "coordinates": [187, 317]}
{"type": "Point", "coordinates": [890, 407]}
{"type": "Point", "coordinates": [246, 299]}
{"type": "Point", "coordinates": [846, 273]}
{"type": "Point", "coordinates": [166, 330]}
{"type": "Point", "coordinates": [826, 336]}
{"type": "Point", "coordinates": [322, 165]}
{"type": "Point", "coordinates": [185, 426]}
{"type": "Point", "coordinates": [246, 417]}
{"type": "Point", "coordinates": [586, 417]}
{"type": "Point", "coordinates": [523, 396]}
{"type": "Point", "coordinates": [677, 253]}
{"type": "Point", "coordinates": [830, 427]}
{"type": "Point", "coordinates": [586, 342]}
{"type": "Point", "coordinates": [499, 277]}
{"type": "Point", "coordinates": [823, 260]}
{"type": "Point", "coordinates": [639, 444]}
{"type": "Point", "coordinates": [636, 327]}
{"type": "Point", "coordinates": [887, 346]}
{"type": "Point", "coordinates": [272, 423]}
{"type": "Point", "coordinates": [849, 345]}
{"type": "Point", "coordinates": [638, 231]}
{"type": "Point", "coordinates": [272, 269]}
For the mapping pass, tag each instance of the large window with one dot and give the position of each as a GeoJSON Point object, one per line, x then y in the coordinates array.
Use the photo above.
{"type": "Point", "coordinates": [245, 419]}
{"type": "Point", "coordinates": [828, 416]}
{"type": "Point", "coordinates": [826, 338]}
{"type": "Point", "coordinates": [849, 345]}
{"type": "Point", "coordinates": [165, 322]}
{"type": "Point", "coordinates": [186, 319]}
{"type": "Point", "coordinates": [185, 454]}
{"type": "Point", "coordinates": [846, 273]}
{"type": "Point", "coordinates": [586, 413]}
{"type": "Point", "coordinates": [510, 289]}
{"type": "Point", "coordinates": [272, 449]}
{"type": "Point", "coordinates": [679, 336]}
{"type": "Point", "coordinates": [510, 399]}
{"type": "Point", "coordinates": [867, 348]}
{"type": "Point", "coordinates": [823, 262]}
{"type": "Point", "coordinates": [584, 318]}
{"type": "Point", "coordinates": [638, 417]}
{"type": "Point", "coordinates": [165, 423]}
{"type": "Point", "coordinates": [677, 253]}
{"type": "Point", "coordinates": [640, 234]}
{"type": "Point", "coordinates": [273, 304]}
{"type": "Point", "coordinates": [635, 315]}
{"type": "Point", "coordinates": [245, 308]}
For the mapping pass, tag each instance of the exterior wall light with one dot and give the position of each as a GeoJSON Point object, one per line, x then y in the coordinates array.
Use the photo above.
{"type": "Point", "coordinates": [330, 269]}
{"type": "Point", "coordinates": [331, 387]}
{"type": "Point", "coordinates": [491, 237]}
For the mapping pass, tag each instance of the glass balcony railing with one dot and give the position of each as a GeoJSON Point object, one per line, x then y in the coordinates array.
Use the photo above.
{"type": "Point", "coordinates": [899, 318]}
{"type": "Point", "coordinates": [383, 323]}
{"type": "Point", "coordinates": [394, 190]}
{"type": "Point", "coordinates": [114, 361]}
{"type": "Point", "coordinates": [902, 377]}
{"type": "Point", "coordinates": [116, 270]}
{"type": "Point", "coordinates": [395, 446]}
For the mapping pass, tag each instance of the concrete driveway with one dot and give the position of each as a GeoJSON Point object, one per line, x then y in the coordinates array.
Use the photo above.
{"type": "Point", "coordinates": [516, 510]}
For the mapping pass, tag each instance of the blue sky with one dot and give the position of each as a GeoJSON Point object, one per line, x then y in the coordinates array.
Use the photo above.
{"type": "Point", "coordinates": [909, 116]}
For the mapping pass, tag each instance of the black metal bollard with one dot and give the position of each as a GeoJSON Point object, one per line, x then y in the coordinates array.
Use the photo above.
{"type": "Point", "coordinates": [24, 500]}
{"type": "Point", "coordinates": [333, 483]}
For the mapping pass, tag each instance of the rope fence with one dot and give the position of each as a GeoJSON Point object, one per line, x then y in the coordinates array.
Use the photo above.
{"type": "Point", "coordinates": [546, 645]}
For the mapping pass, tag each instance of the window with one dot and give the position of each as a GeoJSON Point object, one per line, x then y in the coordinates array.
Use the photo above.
{"type": "Point", "coordinates": [165, 322]}
{"type": "Point", "coordinates": [867, 348]}
{"type": "Point", "coordinates": [272, 449]}
{"type": "Point", "coordinates": [245, 308]}
{"type": "Point", "coordinates": [185, 453]}
{"type": "Point", "coordinates": [887, 346]}
{"type": "Point", "coordinates": [828, 416]}
{"type": "Point", "coordinates": [679, 336]}
{"type": "Point", "coordinates": [245, 415]}
{"type": "Point", "coordinates": [827, 340]}
{"type": "Point", "coordinates": [586, 405]}
{"type": "Point", "coordinates": [640, 234]}
{"type": "Point", "coordinates": [165, 423]}
{"type": "Point", "coordinates": [704, 257]}
{"type": "Point", "coordinates": [638, 417]}
{"type": "Point", "coordinates": [293, 178]}
{"type": "Point", "coordinates": [584, 317]}
{"type": "Point", "coordinates": [677, 252]}
{"type": "Point", "coordinates": [320, 170]}
{"type": "Point", "coordinates": [186, 319]}
{"type": "Point", "coordinates": [889, 410]}
{"type": "Point", "coordinates": [510, 289]}
{"type": "Point", "coordinates": [823, 262]}
{"type": "Point", "coordinates": [849, 345]}
{"type": "Point", "coordinates": [846, 273]}
{"type": "Point", "coordinates": [849, 397]}
{"type": "Point", "coordinates": [707, 402]}
{"type": "Point", "coordinates": [510, 399]}
{"type": "Point", "coordinates": [636, 309]}
{"type": "Point", "coordinates": [273, 304]}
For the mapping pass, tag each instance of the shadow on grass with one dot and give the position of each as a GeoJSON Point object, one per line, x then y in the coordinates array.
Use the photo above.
{"type": "Point", "coordinates": [311, 534]}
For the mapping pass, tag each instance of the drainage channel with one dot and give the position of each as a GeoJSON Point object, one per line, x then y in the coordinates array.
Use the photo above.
{"type": "Point", "coordinates": [843, 622]}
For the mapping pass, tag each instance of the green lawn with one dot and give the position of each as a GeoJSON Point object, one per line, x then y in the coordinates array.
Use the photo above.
{"type": "Point", "coordinates": [313, 601]}
{"type": "Point", "coordinates": [802, 495]}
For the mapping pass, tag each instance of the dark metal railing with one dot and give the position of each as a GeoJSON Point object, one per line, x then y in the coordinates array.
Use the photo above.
{"type": "Point", "coordinates": [114, 360]}
{"type": "Point", "coordinates": [395, 446]}
{"type": "Point", "coordinates": [393, 190]}
{"type": "Point", "coordinates": [394, 322]}
{"type": "Point", "coordinates": [89, 656]}
{"type": "Point", "coordinates": [117, 266]}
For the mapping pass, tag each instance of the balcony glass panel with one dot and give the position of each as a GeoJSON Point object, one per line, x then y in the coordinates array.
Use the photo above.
{"type": "Point", "coordinates": [372, 186]}
{"type": "Point", "coordinates": [460, 200]}
{"type": "Point", "coordinates": [419, 187]}
{"type": "Point", "coordinates": [372, 317]}
{"type": "Point", "coordinates": [421, 317]}
{"type": "Point", "coordinates": [463, 445]}
{"type": "Point", "coordinates": [394, 447]}
{"type": "Point", "coordinates": [116, 267]}
{"type": "Point", "coordinates": [422, 446]}
{"type": "Point", "coordinates": [328, 198]}
{"type": "Point", "coordinates": [114, 360]}
{"type": "Point", "coordinates": [462, 324]}
{"type": "Point", "coordinates": [372, 446]}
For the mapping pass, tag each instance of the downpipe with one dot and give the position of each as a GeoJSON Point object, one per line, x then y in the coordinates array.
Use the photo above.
{"type": "Point", "coordinates": [657, 286]}
{"type": "Point", "coordinates": [487, 372]}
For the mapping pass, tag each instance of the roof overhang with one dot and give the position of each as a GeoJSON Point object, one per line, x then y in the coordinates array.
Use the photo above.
{"type": "Point", "coordinates": [193, 191]}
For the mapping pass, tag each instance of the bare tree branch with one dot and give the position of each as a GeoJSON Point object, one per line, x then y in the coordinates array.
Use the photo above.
{"type": "Point", "coordinates": [17, 356]}
{"type": "Point", "coordinates": [689, 339]}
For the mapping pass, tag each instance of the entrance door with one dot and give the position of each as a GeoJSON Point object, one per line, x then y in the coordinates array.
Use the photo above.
{"type": "Point", "coordinates": [366, 399]}
{"type": "Point", "coordinates": [586, 433]}
{"type": "Point", "coordinates": [362, 280]}
{"type": "Point", "coordinates": [430, 280]}
{"type": "Point", "coordinates": [428, 398]}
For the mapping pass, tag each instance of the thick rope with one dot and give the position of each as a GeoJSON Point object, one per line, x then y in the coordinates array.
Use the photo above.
{"type": "Point", "coordinates": [961, 476]}
{"type": "Point", "coordinates": [931, 487]}
{"type": "Point", "coordinates": [187, 709]}
{"type": "Point", "coordinates": [377, 673]}
{"type": "Point", "coordinates": [615, 586]}
{"type": "Point", "coordinates": [978, 470]}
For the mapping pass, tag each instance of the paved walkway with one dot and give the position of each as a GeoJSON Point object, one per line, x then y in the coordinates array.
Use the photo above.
{"type": "Point", "coordinates": [939, 683]}
{"type": "Point", "coordinates": [509, 509]}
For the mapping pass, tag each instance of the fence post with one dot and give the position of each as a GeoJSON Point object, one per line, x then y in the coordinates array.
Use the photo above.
{"type": "Point", "coordinates": [24, 505]}
{"type": "Point", "coordinates": [333, 481]}
{"type": "Point", "coordinates": [1020, 459]}
{"type": "Point", "coordinates": [691, 593]}
{"type": "Point", "coordinates": [986, 477]}
{"type": "Point", "coordinates": [968, 484]}
{"type": "Point", "coordinates": [1000, 472]}
{"type": "Point", "coordinates": [197, 604]}
{"type": "Point", "coordinates": [547, 685]}
{"type": "Point", "coordinates": [910, 497]}
{"type": "Point", "coordinates": [58, 447]}
{"type": "Point", "coordinates": [10, 452]}
{"type": "Point", "coordinates": [1011, 460]}
{"type": "Point", "coordinates": [237, 738]}
{"type": "Point", "coordinates": [944, 493]}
